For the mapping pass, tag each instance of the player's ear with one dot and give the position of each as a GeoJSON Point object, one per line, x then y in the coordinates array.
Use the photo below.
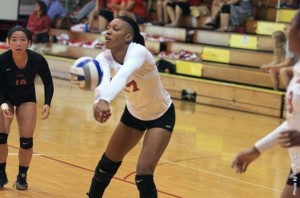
{"type": "Point", "coordinates": [129, 38]}
{"type": "Point", "coordinates": [29, 43]}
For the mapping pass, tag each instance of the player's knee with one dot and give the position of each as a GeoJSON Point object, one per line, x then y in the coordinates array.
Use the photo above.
{"type": "Point", "coordinates": [146, 186]}
{"type": "Point", "coordinates": [145, 169]}
{"type": "Point", "coordinates": [106, 168]}
{"type": "Point", "coordinates": [3, 138]}
{"type": "Point", "coordinates": [26, 143]}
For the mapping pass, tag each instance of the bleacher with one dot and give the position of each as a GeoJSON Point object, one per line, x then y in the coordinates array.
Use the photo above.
{"type": "Point", "coordinates": [227, 74]}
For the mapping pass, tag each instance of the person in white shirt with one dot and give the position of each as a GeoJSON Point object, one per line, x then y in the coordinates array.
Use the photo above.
{"type": "Point", "coordinates": [128, 65]}
{"type": "Point", "coordinates": [288, 133]}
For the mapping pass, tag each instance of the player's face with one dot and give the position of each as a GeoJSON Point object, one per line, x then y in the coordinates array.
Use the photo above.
{"type": "Point", "coordinates": [18, 42]}
{"type": "Point", "coordinates": [117, 35]}
{"type": "Point", "coordinates": [294, 34]}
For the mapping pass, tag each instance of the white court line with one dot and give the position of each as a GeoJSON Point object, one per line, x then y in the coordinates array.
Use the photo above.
{"type": "Point", "coordinates": [18, 154]}
{"type": "Point", "coordinates": [53, 155]}
{"type": "Point", "coordinates": [226, 177]}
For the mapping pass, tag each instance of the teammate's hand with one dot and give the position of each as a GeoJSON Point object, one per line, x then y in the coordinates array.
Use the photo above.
{"type": "Point", "coordinates": [288, 139]}
{"type": "Point", "coordinates": [45, 111]}
{"type": "Point", "coordinates": [101, 111]}
{"type": "Point", "coordinates": [244, 158]}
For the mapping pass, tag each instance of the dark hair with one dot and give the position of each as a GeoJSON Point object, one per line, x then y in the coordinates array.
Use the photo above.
{"type": "Point", "coordinates": [43, 6]}
{"type": "Point", "coordinates": [19, 28]}
{"type": "Point", "coordinates": [137, 37]}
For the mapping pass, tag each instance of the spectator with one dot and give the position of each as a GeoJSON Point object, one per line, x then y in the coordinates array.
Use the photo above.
{"type": "Point", "coordinates": [84, 11]}
{"type": "Point", "coordinates": [103, 13]}
{"type": "Point", "coordinates": [135, 9]}
{"type": "Point", "coordinates": [55, 9]}
{"type": "Point", "coordinates": [218, 8]}
{"type": "Point", "coordinates": [240, 10]}
{"type": "Point", "coordinates": [161, 11]}
{"type": "Point", "coordinates": [281, 66]}
{"type": "Point", "coordinates": [178, 8]}
{"type": "Point", "coordinates": [233, 14]}
{"type": "Point", "coordinates": [39, 23]}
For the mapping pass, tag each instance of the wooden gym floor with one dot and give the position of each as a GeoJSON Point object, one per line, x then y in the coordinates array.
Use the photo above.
{"type": "Point", "coordinates": [196, 164]}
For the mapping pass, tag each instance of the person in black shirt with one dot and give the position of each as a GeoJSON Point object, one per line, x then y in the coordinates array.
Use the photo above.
{"type": "Point", "coordinates": [19, 67]}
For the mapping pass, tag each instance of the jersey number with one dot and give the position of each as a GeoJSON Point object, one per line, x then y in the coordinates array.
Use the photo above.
{"type": "Point", "coordinates": [21, 82]}
{"type": "Point", "coordinates": [133, 86]}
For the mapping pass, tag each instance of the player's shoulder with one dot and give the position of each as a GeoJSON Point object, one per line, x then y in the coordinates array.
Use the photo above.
{"type": "Point", "coordinates": [137, 47]}
{"type": "Point", "coordinates": [5, 56]}
{"type": "Point", "coordinates": [105, 55]}
{"type": "Point", "coordinates": [6, 53]}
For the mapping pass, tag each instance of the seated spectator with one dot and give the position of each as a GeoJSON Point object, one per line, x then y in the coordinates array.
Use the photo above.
{"type": "Point", "coordinates": [178, 8]}
{"type": "Point", "coordinates": [84, 12]}
{"type": "Point", "coordinates": [55, 9]}
{"type": "Point", "coordinates": [240, 11]}
{"type": "Point", "coordinates": [233, 14]}
{"type": "Point", "coordinates": [161, 12]}
{"type": "Point", "coordinates": [281, 66]}
{"type": "Point", "coordinates": [134, 9]}
{"type": "Point", "coordinates": [216, 9]}
{"type": "Point", "coordinates": [39, 23]}
{"type": "Point", "coordinates": [102, 14]}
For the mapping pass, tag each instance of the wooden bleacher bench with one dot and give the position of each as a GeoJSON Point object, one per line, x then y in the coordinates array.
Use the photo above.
{"type": "Point", "coordinates": [151, 45]}
{"type": "Point", "coordinates": [220, 94]}
{"type": "Point", "coordinates": [209, 70]}
{"type": "Point", "coordinates": [250, 58]}
{"type": "Point", "coordinates": [222, 72]}
{"type": "Point", "coordinates": [233, 40]}
{"type": "Point", "coordinates": [222, 85]}
{"type": "Point", "coordinates": [259, 27]}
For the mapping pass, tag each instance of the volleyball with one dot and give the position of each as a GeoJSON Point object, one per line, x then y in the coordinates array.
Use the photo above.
{"type": "Point", "coordinates": [86, 73]}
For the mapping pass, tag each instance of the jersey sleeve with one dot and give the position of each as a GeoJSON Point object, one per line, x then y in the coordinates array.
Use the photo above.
{"type": "Point", "coordinates": [270, 140]}
{"type": "Point", "coordinates": [105, 66]}
{"type": "Point", "coordinates": [45, 74]}
{"type": "Point", "coordinates": [134, 60]}
{"type": "Point", "coordinates": [2, 98]}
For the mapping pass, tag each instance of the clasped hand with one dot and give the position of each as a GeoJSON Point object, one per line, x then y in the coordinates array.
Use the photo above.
{"type": "Point", "coordinates": [101, 111]}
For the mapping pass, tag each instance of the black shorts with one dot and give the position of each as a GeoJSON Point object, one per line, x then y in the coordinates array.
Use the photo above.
{"type": "Point", "coordinates": [108, 15]}
{"type": "Point", "coordinates": [225, 9]}
{"type": "Point", "coordinates": [185, 7]}
{"type": "Point", "coordinates": [293, 180]}
{"type": "Point", "coordinates": [166, 121]}
{"type": "Point", "coordinates": [15, 99]}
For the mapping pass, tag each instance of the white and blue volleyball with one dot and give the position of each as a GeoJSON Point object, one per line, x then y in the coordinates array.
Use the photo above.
{"type": "Point", "coordinates": [86, 73]}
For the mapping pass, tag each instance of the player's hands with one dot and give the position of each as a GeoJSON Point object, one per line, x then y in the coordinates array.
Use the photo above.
{"type": "Point", "coordinates": [45, 111]}
{"type": "Point", "coordinates": [288, 139]}
{"type": "Point", "coordinates": [244, 158]}
{"type": "Point", "coordinates": [101, 111]}
{"type": "Point", "coordinates": [7, 111]}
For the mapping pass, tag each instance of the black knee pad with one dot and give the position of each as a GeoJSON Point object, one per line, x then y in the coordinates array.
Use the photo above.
{"type": "Point", "coordinates": [3, 138]}
{"type": "Point", "coordinates": [105, 170]}
{"type": "Point", "coordinates": [26, 143]}
{"type": "Point", "coordinates": [107, 167]}
{"type": "Point", "coordinates": [146, 186]}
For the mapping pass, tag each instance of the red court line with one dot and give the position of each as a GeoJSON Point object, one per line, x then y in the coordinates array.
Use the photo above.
{"type": "Point", "coordinates": [86, 169]}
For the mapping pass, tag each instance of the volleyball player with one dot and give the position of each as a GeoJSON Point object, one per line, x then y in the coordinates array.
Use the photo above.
{"type": "Point", "coordinates": [18, 68]}
{"type": "Point", "coordinates": [149, 110]}
{"type": "Point", "coordinates": [280, 134]}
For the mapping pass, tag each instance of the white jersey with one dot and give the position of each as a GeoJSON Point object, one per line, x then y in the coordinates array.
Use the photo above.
{"type": "Point", "coordinates": [292, 120]}
{"type": "Point", "coordinates": [146, 98]}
